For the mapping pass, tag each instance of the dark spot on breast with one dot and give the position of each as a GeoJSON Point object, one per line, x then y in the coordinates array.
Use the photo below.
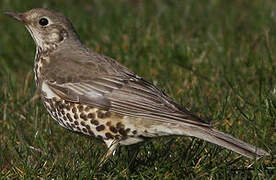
{"type": "Point", "coordinates": [78, 128]}
{"type": "Point", "coordinates": [84, 130]}
{"type": "Point", "coordinates": [51, 103]}
{"type": "Point", "coordinates": [83, 116]}
{"type": "Point", "coordinates": [76, 122]}
{"type": "Point", "coordinates": [87, 108]}
{"type": "Point", "coordinates": [91, 116]}
{"type": "Point", "coordinates": [69, 117]}
{"type": "Point", "coordinates": [100, 128]}
{"type": "Point", "coordinates": [76, 116]}
{"type": "Point", "coordinates": [108, 136]}
{"type": "Point", "coordinates": [68, 125]}
{"type": "Point", "coordinates": [73, 126]}
{"type": "Point", "coordinates": [119, 125]}
{"type": "Point", "coordinates": [95, 122]}
{"type": "Point", "coordinates": [117, 136]}
{"type": "Point", "coordinates": [122, 132]}
{"type": "Point", "coordinates": [67, 107]}
{"type": "Point", "coordinates": [65, 118]}
{"type": "Point", "coordinates": [107, 114]}
{"type": "Point", "coordinates": [87, 126]}
{"type": "Point", "coordinates": [74, 110]}
{"type": "Point", "coordinates": [36, 67]}
{"type": "Point", "coordinates": [99, 136]}
{"type": "Point", "coordinates": [80, 107]}
{"type": "Point", "coordinates": [108, 123]}
{"type": "Point", "coordinates": [91, 132]}
{"type": "Point", "coordinates": [62, 112]}
{"type": "Point", "coordinates": [100, 114]}
{"type": "Point", "coordinates": [134, 132]}
{"type": "Point", "coordinates": [57, 104]}
{"type": "Point", "coordinates": [61, 105]}
{"type": "Point", "coordinates": [113, 129]}
{"type": "Point", "coordinates": [54, 114]}
{"type": "Point", "coordinates": [83, 123]}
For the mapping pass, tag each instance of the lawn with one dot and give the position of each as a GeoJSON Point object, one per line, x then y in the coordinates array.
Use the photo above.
{"type": "Point", "coordinates": [217, 58]}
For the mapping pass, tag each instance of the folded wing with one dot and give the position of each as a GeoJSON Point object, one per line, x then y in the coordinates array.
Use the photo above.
{"type": "Point", "coordinates": [127, 95]}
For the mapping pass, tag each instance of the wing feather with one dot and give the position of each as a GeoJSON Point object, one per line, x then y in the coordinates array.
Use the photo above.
{"type": "Point", "coordinates": [131, 96]}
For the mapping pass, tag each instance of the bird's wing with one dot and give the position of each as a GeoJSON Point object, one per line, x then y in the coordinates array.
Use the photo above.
{"type": "Point", "coordinates": [127, 95]}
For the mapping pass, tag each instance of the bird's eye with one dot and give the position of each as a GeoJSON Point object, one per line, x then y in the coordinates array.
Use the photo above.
{"type": "Point", "coordinates": [43, 22]}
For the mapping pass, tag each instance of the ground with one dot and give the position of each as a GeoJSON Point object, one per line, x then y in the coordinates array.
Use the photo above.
{"type": "Point", "coordinates": [217, 58]}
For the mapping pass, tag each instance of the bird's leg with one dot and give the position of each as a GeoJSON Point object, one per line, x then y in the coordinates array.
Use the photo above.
{"type": "Point", "coordinates": [112, 146]}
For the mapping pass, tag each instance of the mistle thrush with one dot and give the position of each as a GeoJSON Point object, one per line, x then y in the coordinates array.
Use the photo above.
{"type": "Point", "coordinates": [95, 95]}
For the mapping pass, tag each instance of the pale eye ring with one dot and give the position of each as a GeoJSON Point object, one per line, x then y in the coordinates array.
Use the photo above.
{"type": "Point", "coordinates": [43, 21]}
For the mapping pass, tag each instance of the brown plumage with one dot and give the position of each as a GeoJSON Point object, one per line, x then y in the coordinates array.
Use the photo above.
{"type": "Point", "coordinates": [95, 95]}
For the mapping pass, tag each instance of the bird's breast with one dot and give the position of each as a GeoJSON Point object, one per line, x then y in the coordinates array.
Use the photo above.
{"type": "Point", "coordinates": [87, 120]}
{"type": "Point", "coordinates": [39, 63]}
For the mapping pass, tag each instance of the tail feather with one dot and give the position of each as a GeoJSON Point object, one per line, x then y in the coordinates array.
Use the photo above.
{"type": "Point", "coordinates": [219, 138]}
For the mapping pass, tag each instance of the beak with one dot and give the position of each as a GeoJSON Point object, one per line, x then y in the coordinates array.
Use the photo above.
{"type": "Point", "coordinates": [17, 16]}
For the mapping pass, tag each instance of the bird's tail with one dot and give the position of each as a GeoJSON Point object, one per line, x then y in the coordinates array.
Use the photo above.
{"type": "Point", "coordinates": [214, 136]}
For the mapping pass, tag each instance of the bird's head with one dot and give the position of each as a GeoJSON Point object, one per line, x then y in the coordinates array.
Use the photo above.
{"type": "Point", "coordinates": [48, 28]}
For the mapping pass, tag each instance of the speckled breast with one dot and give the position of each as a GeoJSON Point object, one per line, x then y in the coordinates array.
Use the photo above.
{"type": "Point", "coordinates": [85, 119]}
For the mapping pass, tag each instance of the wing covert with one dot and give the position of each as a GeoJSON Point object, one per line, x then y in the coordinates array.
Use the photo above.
{"type": "Point", "coordinates": [129, 95]}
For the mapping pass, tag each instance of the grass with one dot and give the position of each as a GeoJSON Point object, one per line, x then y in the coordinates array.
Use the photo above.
{"type": "Point", "coordinates": [215, 57]}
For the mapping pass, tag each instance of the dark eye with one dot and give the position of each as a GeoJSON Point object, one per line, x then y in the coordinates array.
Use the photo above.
{"type": "Point", "coordinates": [43, 22]}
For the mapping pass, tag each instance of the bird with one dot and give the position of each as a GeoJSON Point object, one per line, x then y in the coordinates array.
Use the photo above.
{"type": "Point", "coordinates": [95, 95]}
